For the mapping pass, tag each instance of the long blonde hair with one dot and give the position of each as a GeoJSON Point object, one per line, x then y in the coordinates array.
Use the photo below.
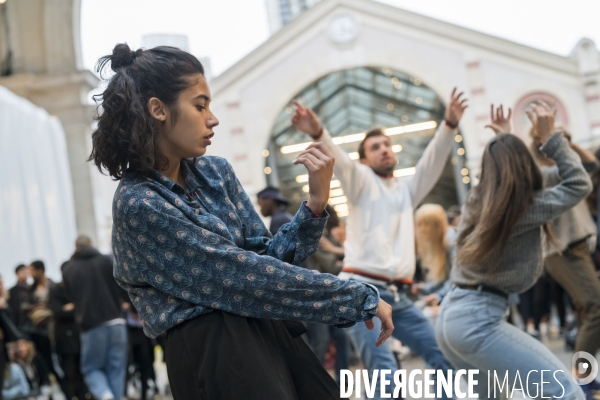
{"type": "Point", "coordinates": [430, 235]}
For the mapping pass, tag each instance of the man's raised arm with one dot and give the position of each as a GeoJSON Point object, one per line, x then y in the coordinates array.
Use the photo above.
{"type": "Point", "coordinates": [352, 176]}
{"type": "Point", "coordinates": [432, 163]}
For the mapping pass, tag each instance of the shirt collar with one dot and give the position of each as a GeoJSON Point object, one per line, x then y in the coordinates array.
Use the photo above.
{"type": "Point", "coordinates": [190, 179]}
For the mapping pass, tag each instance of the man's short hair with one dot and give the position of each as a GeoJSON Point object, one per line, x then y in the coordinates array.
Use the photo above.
{"type": "Point", "coordinates": [82, 242]}
{"type": "Point", "coordinates": [20, 267]}
{"type": "Point", "coordinates": [38, 266]}
{"type": "Point", "coordinates": [373, 132]}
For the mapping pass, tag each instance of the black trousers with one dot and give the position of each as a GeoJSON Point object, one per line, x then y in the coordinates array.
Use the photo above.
{"type": "Point", "coordinates": [221, 356]}
{"type": "Point", "coordinates": [75, 387]}
{"type": "Point", "coordinates": [141, 354]}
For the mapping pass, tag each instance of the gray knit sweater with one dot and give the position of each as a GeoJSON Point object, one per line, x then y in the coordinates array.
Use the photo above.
{"type": "Point", "coordinates": [520, 262]}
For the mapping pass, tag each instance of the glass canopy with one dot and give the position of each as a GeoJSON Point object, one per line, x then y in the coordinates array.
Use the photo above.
{"type": "Point", "coordinates": [351, 102]}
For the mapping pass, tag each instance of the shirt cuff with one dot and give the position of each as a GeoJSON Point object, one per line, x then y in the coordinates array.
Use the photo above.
{"type": "Point", "coordinates": [553, 144]}
{"type": "Point", "coordinates": [370, 306]}
{"type": "Point", "coordinates": [306, 213]}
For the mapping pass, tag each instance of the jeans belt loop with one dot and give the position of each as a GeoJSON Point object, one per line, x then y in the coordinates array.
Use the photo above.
{"type": "Point", "coordinates": [479, 289]}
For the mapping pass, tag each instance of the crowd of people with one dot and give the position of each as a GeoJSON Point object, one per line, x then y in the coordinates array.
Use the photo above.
{"type": "Point", "coordinates": [82, 334]}
{"type": "Point", "coordinates": [249, 312]}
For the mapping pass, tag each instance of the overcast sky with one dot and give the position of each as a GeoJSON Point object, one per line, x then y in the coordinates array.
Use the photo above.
{"type": "Point", "coordinates": [227, 30]}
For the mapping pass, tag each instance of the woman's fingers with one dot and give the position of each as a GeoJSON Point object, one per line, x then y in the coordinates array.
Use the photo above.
{"type": "Point", "coordinates": [387, 327]}
{"type": "Point", "coordinates": [321, 148]}
{"type": "Point", "coordinates": [315, 161]}
{"type": "Point", "coordinates": [304, 161]}
{"type": "Point", "coordinates": [546, 107]}
{"type": "Point", "coordinates": [532, 117]}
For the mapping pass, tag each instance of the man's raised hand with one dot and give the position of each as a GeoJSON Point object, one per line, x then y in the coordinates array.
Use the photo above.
{"type": "Point", "coordinates": [456, 108]}
{"type": "Point", "coordinates": [306, 120]}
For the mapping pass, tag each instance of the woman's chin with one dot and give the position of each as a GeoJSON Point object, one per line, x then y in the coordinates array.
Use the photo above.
{"type": "Point", "coordinates": [199, 152]}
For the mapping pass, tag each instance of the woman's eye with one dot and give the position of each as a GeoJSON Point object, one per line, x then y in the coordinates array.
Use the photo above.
{"type": "Point", "coordinates": [200, 108]}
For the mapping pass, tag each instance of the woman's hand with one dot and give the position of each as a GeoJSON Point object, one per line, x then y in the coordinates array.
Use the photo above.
{"type": "Point", "coordinates": [318, 160]}
{"type": "Point", "coordinates": [305, 120]}
{"type": "Point", "coordinates": [542, 118]}
{"type": "Point", "coordinates": [384, 313]}
{"type": "Point", "coordinates": [455, 109]}
{"type": "Point", "coordinates": [500, 123]}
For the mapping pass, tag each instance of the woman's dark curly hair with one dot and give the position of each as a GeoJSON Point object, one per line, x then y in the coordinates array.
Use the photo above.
{"type": "Point", "coordinates": [126, 136]}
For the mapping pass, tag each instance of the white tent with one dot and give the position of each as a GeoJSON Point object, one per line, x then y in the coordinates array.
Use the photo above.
{"type": "Point", "coordinates": [37, 214]}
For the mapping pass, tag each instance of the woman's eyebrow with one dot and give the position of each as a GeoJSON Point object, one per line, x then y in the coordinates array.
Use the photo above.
{"type": "Point", "coordinates": [202, 96]}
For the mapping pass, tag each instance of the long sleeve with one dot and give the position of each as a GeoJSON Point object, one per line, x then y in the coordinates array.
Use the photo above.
{"type": "Point", "coordinates": [431, 165]}
{"type": "Point", "coordinates": [294, 241]}
{"type": "Point", "coordinates": [354, 177]}
{"type": "Point", "coordinates": [574, 186]}
{"type": "Point", "coordinates": [56, 305]}
{"type": "Point", "coordinates": [166, 260]}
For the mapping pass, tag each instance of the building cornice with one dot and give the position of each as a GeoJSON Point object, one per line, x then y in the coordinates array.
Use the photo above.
{"type": "Point", "coordinates": [405, 18]}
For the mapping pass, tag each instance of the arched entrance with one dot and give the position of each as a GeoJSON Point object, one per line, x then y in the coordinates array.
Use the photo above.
{"type": "Point", "coordinates": [349, 102]}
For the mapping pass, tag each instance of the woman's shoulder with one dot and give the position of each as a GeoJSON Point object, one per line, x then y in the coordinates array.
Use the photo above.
{"type": "Point", "coordinates": [132, 191]}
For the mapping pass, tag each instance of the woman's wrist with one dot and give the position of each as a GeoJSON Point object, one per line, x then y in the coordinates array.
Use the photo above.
{"type": "Point", "coordinates": [316, 206]}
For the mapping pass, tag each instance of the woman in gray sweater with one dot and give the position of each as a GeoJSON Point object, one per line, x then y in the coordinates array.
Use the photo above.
{"type": "Point", "coordinates": [499, 252]}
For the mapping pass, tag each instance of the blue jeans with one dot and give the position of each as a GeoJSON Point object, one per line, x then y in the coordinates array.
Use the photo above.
{"type": "Point", "coordinates": [104, 360]}
{"type": "Point", "coordinates": [473, 334]}
{"type": "Point", "coordinates": [410, 327]}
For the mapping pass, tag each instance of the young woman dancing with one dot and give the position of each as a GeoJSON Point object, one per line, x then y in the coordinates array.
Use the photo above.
{"type": "Point", "coordinates": [499, 251]}
{"type": "Point", "coordinates": [194, 255]}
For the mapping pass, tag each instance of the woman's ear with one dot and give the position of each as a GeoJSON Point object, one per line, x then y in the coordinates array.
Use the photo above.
{"type": "Point", "coordinates": [157, 109]}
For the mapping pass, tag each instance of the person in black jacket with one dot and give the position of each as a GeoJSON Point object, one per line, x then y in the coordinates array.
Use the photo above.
{"type": "Point", "coordinates": [98, 301]}
{"type": "Point", "coordinates": [66, 341]}
{"type": "Point", "coordinates": [19, 295]}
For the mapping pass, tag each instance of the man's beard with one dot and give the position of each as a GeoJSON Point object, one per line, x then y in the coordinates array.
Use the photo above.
{"type": "Point", "coordinates": [385, 170]}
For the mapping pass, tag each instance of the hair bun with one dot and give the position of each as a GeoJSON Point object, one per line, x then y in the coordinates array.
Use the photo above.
{"type": "Point", "coordinates": [122, 56]}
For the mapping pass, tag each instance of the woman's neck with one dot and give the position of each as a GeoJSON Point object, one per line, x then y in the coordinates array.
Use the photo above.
{"type": "Point", "coordinates": [173, 171]}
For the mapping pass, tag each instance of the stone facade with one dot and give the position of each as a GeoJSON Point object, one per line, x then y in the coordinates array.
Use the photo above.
{"type": "Point", "coordinates": [249, 96]}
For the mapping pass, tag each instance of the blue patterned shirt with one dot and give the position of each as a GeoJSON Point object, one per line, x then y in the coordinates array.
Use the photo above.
{"type": "Point", "coordinates": [182, 253]}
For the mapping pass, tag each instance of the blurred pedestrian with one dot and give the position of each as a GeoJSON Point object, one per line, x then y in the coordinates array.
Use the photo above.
{"type": "Point", "coordinates": [98, 305]}
{"type": "Point", "coordinates": [66, 341]}
{"type": "Point", "coordinates": [568, 256]}
{"type": "Point", "coordinates": [435, 251]}
{"type": "Point", "coordinates": [273, 204]}
{"type": "Point", "coordinates": [40, 316]}
{"type": "Point", "coordinates": [19, 295]}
